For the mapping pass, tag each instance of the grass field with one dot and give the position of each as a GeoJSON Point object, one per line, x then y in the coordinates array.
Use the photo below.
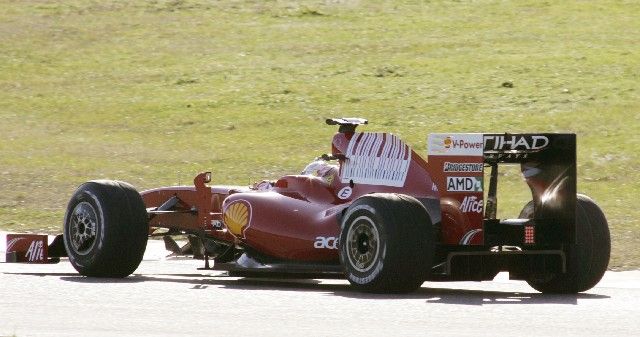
{"type": "Point", "coordinates": [152, 92]}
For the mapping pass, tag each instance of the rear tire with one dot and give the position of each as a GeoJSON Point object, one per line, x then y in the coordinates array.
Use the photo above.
{"type": "Point", "coordinates": [105, 229]}
{"type": "Point", "coordinates": [386, 243]}
{"type": "Point", "coordinates": [587, 260]}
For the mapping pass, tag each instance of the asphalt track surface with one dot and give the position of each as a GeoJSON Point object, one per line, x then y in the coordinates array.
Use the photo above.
{"type": "Point", "coordinates": [170, 297]}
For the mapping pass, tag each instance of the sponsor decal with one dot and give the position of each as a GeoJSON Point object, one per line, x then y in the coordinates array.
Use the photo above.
{"type": "Point", "coordinates": [447, 142]}
{"type": "Point", "coordinates": [471, 204]}
{"type": "Point", "coordinates": [502, 156]}
{"type": "Point", "coordinates": [237, 217]}
{"type": "Point", "coordinates": [376, 159]}
{"type": "Point", "coordinates": [329, 242]}
{"type": "Point", "coordinates": [464, 184]}
{"type": "Point", "coordinates": [515, 143]}
{"type": "Point", "coordinates": [345, 193]}
{"type": "Point", "coordinates": [458, 144]}
{"type": "Point", "coordinates": [26, 247]}
{"type": "Point", "coordinates": [35, 251]}
{"type": "Point", "coordinates": [11, 243]}
{"type": "Point", "coordinates": [463, 167]}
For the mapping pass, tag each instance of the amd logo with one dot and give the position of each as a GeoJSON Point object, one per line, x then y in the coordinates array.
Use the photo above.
{"type": "Point", "coordinates": [515, 142]}
{"type": "Point", "coordinates": [464, 184]}
{"type": "Point", "coordinates": [463, 167]}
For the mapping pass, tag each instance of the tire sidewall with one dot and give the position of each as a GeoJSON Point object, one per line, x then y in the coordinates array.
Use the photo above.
{"type": "Point", "coordinates": [85, 261]}
{"type": "Point", "coordinates": [587, 258]}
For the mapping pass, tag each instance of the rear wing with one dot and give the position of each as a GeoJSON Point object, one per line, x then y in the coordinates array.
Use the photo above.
{"type": "Point", "coordinates": [548, 165]}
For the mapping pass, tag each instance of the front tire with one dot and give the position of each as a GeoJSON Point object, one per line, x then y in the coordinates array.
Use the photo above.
{"type": "Point", "coordinates": [105, 229]}
{"type": "Point", "coordinates": [587, 259]}
{"type": "Point", "coordinates": [386, 243]}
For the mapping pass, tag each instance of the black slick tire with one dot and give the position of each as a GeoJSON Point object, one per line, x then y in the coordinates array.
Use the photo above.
{"type": "Point", "coordinates": [105, 229]}
{"type": "Point", "coordinates": [386, 243]}
{"type": "Point", "coordinates": [588, 259]}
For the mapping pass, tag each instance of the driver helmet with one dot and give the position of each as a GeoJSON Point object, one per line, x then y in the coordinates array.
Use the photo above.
{"type": "Point", "coordinates": [319, 168]}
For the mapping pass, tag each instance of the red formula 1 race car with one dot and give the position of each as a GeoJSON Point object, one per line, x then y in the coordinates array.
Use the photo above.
{"type": "Point", "coordinates": [372, 211]}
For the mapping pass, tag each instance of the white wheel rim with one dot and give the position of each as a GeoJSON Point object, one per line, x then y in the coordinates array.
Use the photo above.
{"type": "Point", "coordinates": [363, 244]}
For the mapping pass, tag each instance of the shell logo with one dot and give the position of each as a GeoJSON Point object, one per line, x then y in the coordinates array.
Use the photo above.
{"type": "Point", "coordinates": [447, 142]}
{"type": "Point", "coordinates": [237, 217]}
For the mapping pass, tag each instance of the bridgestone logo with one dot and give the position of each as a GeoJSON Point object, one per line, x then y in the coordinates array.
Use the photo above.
{"type": "Point", "coordinates": [464, 184]}
{"type": "Point", "coordinates": [462, 167]}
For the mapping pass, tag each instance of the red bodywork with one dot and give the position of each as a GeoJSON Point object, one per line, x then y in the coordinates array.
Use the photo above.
{"type": "Point", "coordinates": [297, 217]}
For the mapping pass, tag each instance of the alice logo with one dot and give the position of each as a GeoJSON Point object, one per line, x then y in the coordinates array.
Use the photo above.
{"type": "Point", "coordinates": [35, 251]}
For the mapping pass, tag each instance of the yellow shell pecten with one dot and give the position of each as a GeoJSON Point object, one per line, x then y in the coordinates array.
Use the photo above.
{"type": "Point", "coordinates": [236, 217]}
